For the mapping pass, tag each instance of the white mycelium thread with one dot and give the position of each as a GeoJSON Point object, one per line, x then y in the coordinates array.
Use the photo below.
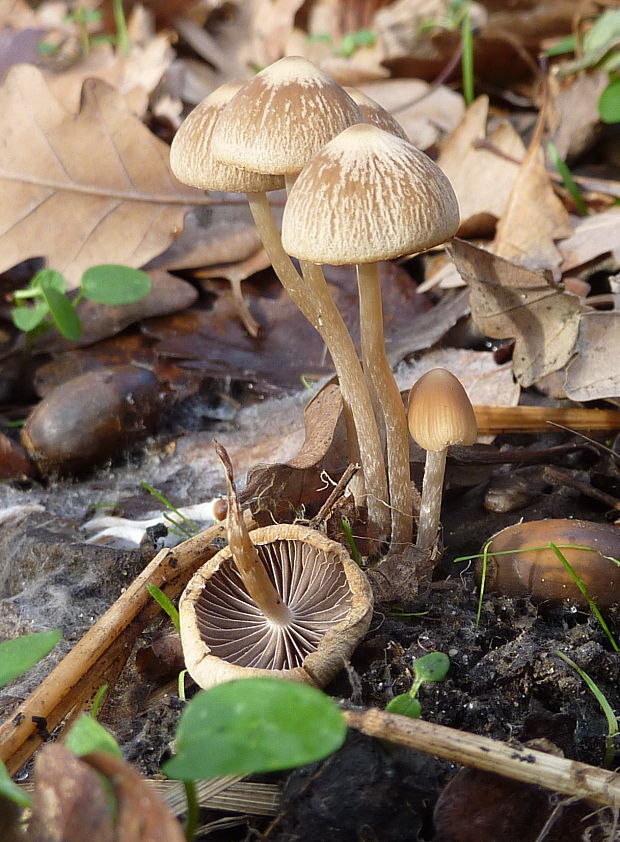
{"type": "Point", "coordinates": [368, 196]}
{"type": "Point", "coordinates": [191, 158]}
{"type": "Point", "coordinates": [281, 117]}
{"type": "Point", "coordinates": [314, 587]}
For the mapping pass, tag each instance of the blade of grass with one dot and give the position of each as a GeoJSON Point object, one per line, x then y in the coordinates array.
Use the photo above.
{"type": "Point", "coordinates": [610, 716]}
{"type": "Point", "coordinates": [567, 179]}
{"type": "Point", "coordinates": [593, 606]}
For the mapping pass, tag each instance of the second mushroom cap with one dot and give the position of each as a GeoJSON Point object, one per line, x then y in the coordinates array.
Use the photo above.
{"type": "Point", "coordinates": [368, 196]}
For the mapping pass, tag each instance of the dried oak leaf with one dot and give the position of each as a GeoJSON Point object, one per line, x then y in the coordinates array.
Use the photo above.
{"type": "Point", "coordinates": [86, 189]}
{"type": "Point", "coordinates": [482, 179]}
{"type": "Point", "coordinates": [592, 237]}
{"type": "Point", "coordinates": [142, 816]}
{"type": "Point", "coordinates": [70, 801]}
{"type": "Point", "coordinates": [510, 301]}
{"type": "Point", "coordinates": [594, 373]}
{"type": "Point", "coordinates": [534, 217]}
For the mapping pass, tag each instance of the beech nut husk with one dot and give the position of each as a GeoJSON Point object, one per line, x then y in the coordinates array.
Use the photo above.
{"type": "Point", "coordinates": [539, 573]}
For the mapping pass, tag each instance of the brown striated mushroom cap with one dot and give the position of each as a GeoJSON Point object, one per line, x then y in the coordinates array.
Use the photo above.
{"type": "Point", "coordinates": [281, 117]}
{"type": "Point", "coordinates": [440, 413]}
{"type": "Point", "coordinates": [368, 196]}
{"type": "Point", "coordinates": [375, 114]}
{"type": "Point", "coordinates": [191, 158]}
{"type": "Point", "coordinates": [225, 636]}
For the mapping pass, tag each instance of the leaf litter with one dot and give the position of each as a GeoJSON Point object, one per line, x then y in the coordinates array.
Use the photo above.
{"type": "Point", "coordinates": [520, 310]}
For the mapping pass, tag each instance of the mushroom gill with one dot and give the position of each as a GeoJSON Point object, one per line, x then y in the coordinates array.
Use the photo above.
{"type": "Point", "coordinates": [311, 583]}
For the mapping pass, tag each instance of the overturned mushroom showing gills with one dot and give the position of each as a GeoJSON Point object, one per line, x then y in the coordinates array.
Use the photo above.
{"type": "Point", "coordinates": [440, 414]}
{"type": "Point", "coordinates": [521, 561]}
{"type": "Point", "coordinates": [282, 601]}
{"type": "Point", "coordinates": [369, 196]}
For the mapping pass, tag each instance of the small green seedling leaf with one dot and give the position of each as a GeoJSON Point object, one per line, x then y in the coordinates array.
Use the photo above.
{"type": "Point", "coordinates": [87, 736]}
{"type": "Point", "coordinates": [19, 655]}
{"type": "Point", "coordinates": [10, 790]}
{"type": "Point", "coordinates": [604, 33]}
{"type": "Point", "coordinates": [62, 311]}
{"type": "Point", "coordinates": [431, 667]}
{"type": "Point", "coordinates": [115, 285]}
{"type": "Point", "coordinates": [609, 103]}
{"type": "Point", "coordinates": [163, 600]}
{"type": "Point", "coordinates": [255, 725]}
{"type": "Point", "coordinates": [405, 705]}
{"type": "Point", "coordinates": [49, 278]}
{"type": "Point", "coordinates": [27, 318]}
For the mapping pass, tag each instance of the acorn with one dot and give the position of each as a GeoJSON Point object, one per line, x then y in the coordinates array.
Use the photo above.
{"type": "Point", "coordinates": [92, 418]}
{"type": "Point", "coordinates": [521, 562]}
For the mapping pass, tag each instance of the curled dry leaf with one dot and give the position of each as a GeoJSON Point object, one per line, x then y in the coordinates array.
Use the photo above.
{"type": "Point", "coordinates": [534, 217]}
{"type": "Point", "coordinates": [592, 236]}
{"type": "Point", "coordinates": [70, 801]}
{"type": "Point", "coordinates": [141, 814]}
{"type": "Point", "coordinates": [509, 301]}
{"type": "Point", "coordinates": [135, 75]}
{"type": "Point", "coordinates": [482, 179]}
{"type": "Point", "coordinates": [86, 189]}
{"type": "Point", "coordinates": [574, 117]}
{"type": "Point", "coordinates": [424, 111]}
{"type": "Point", "coordinates": [594, 373]}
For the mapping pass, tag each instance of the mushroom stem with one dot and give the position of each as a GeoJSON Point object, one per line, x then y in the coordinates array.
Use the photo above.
{"type": "Point", "coordinates": [430, 505]}
{"type": "Point", "coordinates": [247, 561]}
{"type": "Point", "coordinates": [312, 297]}
{"type": "Point", "coordinates": [387, 395]}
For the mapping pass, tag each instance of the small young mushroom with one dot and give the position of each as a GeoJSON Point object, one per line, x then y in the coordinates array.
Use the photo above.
{"type": "Point", "coordinates": [283, 601]}
{"type": "Point", "coordinates": [521, 561]}
{"type": "Point", "coordinates": [271, 125]}
{"type": "Point", "coordinates": [440, 414]}
{"type": "Point", "coordinates": [369, 196]}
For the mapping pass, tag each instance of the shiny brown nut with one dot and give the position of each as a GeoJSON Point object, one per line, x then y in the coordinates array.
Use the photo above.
{"type": "Point", "coordinates": [92, 418]}
{"type": "Point", "coordinates": [539, 573]}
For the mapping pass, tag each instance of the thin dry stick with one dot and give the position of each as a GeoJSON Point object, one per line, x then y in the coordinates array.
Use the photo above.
{"type": "Point", "coordinates": [513, 761]}
{"type": "Point", "coordinates": [536, 419]}
{"type": "Point", "coordinates": [111, 638]}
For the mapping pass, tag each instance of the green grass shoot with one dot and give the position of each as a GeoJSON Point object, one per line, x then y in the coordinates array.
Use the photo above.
{"type": "Point", "coordinates": [567, 178]}
{"type": "Point", "coordinates": [610, 716]}
{"type": "Point", "coordinates": [165, 604]}
{"type": "Point", "coordinates": [355, 554]}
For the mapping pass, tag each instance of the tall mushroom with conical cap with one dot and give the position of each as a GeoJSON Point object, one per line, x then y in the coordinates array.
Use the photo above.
{"type": "Point", "coordinates": [283, 601]}
{"type": "Point", "coordinates": [369, 196]}
{"type": "Point", "coordinates": [440, 414]}
{"type": "Point", "coordinates": [272, 125]}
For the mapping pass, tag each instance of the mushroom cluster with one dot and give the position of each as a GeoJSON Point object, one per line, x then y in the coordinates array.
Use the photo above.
{"type": "Point", "coordinates": [358, 193]}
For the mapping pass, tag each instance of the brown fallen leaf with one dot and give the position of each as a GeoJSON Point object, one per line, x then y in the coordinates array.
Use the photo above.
{"type": "Point", "coordinates": [126, 349]}
{"type": "Point", "coordinates": [482, 180]}
{"type": "Point", "coordinates": [574, 116]}
{"type": "Point", "coordinates": [425, 112]}
{"type": "Point", "coordinates": [592, 236]}
{"type": "Point", "coordinates": [221, 234]}
{"type": "Point", "coordinates": [594, 372]}
{"type": "Point", "coordinates": [70, 801]}
{"type": "Point", "coordinates": [86, 189]}
{"type": "Point", "coordinates": [134, 75]}
{"type": "Point", "coordinates": [510, 301]}
{"type": "Point", "coordinates": [141, 814]}
{"type": "Point", "coordinates": [534, 217]}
